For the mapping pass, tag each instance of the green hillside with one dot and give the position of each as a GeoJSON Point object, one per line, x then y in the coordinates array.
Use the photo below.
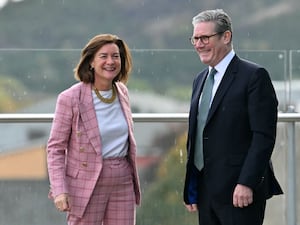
{"type": "Point", "coordinates": [40, 40]}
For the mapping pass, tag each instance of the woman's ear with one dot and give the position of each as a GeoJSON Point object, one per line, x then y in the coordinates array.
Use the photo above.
{"type": "Point", "coordinates": [91, 65]}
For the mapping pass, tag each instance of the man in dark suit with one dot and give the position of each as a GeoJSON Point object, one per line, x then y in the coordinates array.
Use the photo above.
{"type": "Point", "coordinates": [230, 141]}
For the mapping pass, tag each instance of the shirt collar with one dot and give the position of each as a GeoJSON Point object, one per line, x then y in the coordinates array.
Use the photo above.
{"type": "Point", "coordinates": [223, 64]}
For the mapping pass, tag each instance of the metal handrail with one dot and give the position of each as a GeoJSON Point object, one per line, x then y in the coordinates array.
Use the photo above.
{"type": "Point", "coordinates": [137, 117]}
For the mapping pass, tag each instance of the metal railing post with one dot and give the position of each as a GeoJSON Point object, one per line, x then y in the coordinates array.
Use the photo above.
{"type": "Point", "coordinates": [291, 183]}
{"type": "Point", "coordinates": [291, 207]}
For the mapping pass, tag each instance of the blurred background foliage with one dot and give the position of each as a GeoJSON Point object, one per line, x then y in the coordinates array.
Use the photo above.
{"type": "Point", "coordinates": [168, 207]}
{"type": "Point", "coordinates": [40, 40]}
{"type": "Point", "coordinates": [267, 24]}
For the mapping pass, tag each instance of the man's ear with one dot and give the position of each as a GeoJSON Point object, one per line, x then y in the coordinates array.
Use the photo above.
{"type": "Point", "coordinates": [227, 37]}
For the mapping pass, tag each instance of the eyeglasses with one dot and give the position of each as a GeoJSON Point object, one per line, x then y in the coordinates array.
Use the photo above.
{"type": "Point", "coordinates": [204, 39]}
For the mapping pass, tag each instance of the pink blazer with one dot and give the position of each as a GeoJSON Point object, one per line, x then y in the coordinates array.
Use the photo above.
{"type": "Point", "coordinates": [74, 147]}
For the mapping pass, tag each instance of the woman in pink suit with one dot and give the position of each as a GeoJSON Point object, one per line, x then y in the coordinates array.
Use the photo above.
{"type": "Point", "coordinates": [91, 151]}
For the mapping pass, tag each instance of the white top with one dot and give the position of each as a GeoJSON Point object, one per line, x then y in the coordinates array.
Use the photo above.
{"type": "Point", "coordinates": [112, 125]}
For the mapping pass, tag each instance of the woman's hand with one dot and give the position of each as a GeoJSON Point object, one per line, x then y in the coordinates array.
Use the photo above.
{"type": "Point", "coordinates": [62, 202]}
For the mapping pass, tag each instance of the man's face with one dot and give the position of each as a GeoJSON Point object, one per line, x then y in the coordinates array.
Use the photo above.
{"type": "Point", "coordinates": [217, 47]}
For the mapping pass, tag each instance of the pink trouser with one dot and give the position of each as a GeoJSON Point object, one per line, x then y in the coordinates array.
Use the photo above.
{"type": "Point", "coordinates": [113, 199]}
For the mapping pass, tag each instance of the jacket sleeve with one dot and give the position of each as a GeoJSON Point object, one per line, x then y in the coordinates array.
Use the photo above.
{"type": "Point", "coordinates": [192, 186]}
{"type": "Point", "coordinates": [58, 144]}
{"type": "Point", "coordinates": [262, 110]}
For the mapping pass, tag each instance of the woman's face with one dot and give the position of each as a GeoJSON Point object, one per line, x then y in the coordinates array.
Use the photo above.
{"type": "Point", "coordinates": [106, 64]}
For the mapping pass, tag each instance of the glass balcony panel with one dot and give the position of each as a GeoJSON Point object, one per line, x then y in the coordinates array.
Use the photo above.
{"type": "Point", "coordinates": [161, 161]}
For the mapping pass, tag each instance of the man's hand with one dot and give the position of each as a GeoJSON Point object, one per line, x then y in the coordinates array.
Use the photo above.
{"type": "Point", "coordinates": [191, 207]}
{"type": "Point", "coordinates": [242, 196]}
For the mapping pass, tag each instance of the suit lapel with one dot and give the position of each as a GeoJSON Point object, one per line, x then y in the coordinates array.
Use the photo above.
{"type": "Point", "coordinates": [124, 102]}
{"type": "Point", "coordinates": [88, 116]}
{"type": "Point", "coordinates": [198, 86]}
{"type": "Point", "coordinates": [224, 86]}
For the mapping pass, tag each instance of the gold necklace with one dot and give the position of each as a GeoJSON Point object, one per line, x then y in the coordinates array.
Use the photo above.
{"type": "Point", "coordinates": [106, 100]}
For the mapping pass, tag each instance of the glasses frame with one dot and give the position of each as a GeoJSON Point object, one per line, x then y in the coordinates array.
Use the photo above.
{"type": "Point", "coordinates": [204, 39]}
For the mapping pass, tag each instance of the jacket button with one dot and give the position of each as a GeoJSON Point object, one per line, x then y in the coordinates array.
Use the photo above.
{"type": "Point", "coordinates": [81, 149]}
{"type": "Point", "coordinates": [78, 133]}
{"type": "Point", "coordinates": [84, 164]}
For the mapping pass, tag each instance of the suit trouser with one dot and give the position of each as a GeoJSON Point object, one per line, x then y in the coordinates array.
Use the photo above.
{"type": "Point", "coordinates": [213, 212]}
{"type": "Point", "coordinates": [113, 199]}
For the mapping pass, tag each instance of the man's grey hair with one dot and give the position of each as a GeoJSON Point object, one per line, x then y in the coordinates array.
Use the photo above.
{"type": "Point", "coordinates": [218, 16]}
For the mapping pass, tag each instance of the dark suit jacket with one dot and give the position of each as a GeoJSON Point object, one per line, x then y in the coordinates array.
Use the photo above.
{"type": "Point", "coordinates": [239, 135]}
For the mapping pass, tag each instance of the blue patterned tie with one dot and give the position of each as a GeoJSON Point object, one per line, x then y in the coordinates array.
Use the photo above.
{"type": "Point", "coordinates": [204, 105]}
